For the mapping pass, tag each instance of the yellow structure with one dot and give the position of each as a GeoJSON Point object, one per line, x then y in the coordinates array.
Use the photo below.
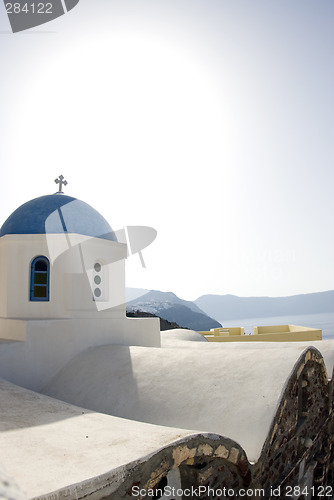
{"type": "Point", "coordinates": [233, 330]}
{"type": "Point", "coordinates": [274, 333]}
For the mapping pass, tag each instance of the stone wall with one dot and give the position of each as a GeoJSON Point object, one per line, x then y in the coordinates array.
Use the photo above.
{"type": "Point", "coordinates": [297, 458]}
{"type": "Point", "coordinates": [297, 450]}
{"type": "Point", "coordinates": [196, 465]}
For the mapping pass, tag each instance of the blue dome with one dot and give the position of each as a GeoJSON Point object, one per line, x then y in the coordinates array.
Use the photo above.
{"type": "Point", "coordinates": [55, 214]}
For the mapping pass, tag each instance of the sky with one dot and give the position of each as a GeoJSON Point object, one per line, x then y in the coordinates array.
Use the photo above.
{"type": "Point", "coordinates": [209, 120]}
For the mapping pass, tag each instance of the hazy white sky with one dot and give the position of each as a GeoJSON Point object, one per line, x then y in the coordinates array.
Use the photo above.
{"type": "Point", "coordinates": [209, 120]}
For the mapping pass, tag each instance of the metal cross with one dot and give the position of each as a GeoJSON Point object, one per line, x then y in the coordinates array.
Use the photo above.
{"type": "Point", "coordinates": [61, 183]}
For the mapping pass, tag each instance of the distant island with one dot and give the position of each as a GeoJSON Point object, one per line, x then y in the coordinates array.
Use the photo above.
{"type": "Point", "coordinates": [230, 307]}
{"type": "Point", "coordinates": [168, 306]}
{"type": "Point", "coordinates": [206, 311]}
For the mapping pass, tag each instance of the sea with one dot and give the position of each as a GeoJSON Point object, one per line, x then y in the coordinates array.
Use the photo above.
{"type": "Point", "coordinates": [322, 321]}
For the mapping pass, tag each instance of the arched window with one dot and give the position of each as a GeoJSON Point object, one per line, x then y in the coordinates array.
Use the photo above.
{"type": "Point", "coordinates": [40, 279]}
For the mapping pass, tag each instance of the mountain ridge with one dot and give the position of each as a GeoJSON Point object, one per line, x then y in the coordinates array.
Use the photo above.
{"type": "Point", "coordinates": [232, 307]}
{"type": "Point", "coordinates": [229, 307]}
{"type": "Point", "coordinates": [170, 307]}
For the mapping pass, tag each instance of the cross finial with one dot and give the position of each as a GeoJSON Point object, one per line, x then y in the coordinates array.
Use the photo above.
{"type": "Point", "coordinates": [61, 183]}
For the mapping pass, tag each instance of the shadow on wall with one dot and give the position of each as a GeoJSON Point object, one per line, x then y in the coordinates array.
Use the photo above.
{"type": "Point", "coordinates": [42, 410]}
{"type": "Point", "coordinates": [116, 378]}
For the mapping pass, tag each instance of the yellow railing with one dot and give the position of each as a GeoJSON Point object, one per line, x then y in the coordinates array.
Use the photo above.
{"type": "Point", "coordinates": [274, 333]}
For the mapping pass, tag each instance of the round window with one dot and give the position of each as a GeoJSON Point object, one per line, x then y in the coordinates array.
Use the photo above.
{"type": "Point", "coordinates": [97, 267]}
{"type": "Point", "coordinates": [97, 292]}
{"type": "Point", "coordinates": [97, 280]}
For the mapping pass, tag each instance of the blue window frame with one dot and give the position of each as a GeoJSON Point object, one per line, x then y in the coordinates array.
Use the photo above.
{"type": "Point", "coordinates": [40, 279]}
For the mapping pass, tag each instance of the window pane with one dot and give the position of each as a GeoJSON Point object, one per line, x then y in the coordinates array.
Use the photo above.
{"type": "Point", "coordinates": [41, 265]}
{"type": "Point", "coordinates": [40, 292]}
{"type": "Point", "coordinates": [40, 279]}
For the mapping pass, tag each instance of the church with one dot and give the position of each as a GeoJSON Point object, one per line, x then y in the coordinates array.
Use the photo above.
{"type": "Point", "coordinates": [62, 277]}
{"type": "Point", "coordinates": [96, 405]}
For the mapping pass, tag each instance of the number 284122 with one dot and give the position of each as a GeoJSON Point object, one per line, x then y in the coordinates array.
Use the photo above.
{"type": "Point", "coordinates": [29, 8]}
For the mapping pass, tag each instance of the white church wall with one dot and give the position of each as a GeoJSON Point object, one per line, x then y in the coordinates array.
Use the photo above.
{"type": "Point", "coordinates": [50, 344]}
{"type": "Point", "coordinates": [3, 278]}
{"type": "Point", "coordinates": [20, 252]}
{"type": "Point", "coordinates": [12, 330]}
{"type": "Point", "coordinates": [71, 277]}
{"type": "Point", "coordinates": [99, 266]}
